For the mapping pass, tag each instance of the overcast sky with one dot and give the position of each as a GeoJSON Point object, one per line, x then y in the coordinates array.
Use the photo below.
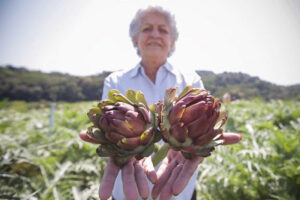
{"type": "Point", "coordinates": [83, 37]}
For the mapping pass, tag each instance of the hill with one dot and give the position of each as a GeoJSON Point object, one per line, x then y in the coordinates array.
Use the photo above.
{"type": "Point", "coordinates": [28, 85]}
{"type": "Point", "coordinates": [244, 86]}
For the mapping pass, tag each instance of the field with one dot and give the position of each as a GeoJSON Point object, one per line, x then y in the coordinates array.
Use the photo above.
{"type": "Point", "coordinates": [40, 161]}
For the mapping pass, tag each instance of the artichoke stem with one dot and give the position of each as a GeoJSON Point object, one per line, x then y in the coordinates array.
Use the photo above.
{"type": "Point", "coordinates": [160, 154]}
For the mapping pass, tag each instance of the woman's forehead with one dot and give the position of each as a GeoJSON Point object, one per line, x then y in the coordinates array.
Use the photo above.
{"type": "Point", "coordinates": [150, 17]}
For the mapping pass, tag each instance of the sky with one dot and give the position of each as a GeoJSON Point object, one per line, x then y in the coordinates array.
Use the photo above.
{"type": "Point", "coordinates": [84, 37]}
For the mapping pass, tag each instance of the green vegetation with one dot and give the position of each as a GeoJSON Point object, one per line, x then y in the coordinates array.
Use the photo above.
{"type": "Point", "coordinates": [47, 163]}
{"type": "Point", "coordinates": [51, 163]}
{"type": "Point", "coordinates": [265, 165]}
{"type": "Point", "coordinates": [23, 84]}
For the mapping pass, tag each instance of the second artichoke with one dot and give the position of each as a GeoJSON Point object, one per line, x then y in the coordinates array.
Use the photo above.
{"type": "Point", "coordinates": [192, 122]}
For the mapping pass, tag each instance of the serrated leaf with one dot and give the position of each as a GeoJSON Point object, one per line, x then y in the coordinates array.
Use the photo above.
{"type": "Point", "coordinates": [166, 122]}
{"type": "Point", "coordinates": [97, 135]}
{"type": "Point", "coordinates": [122, 98]}
{"type": "Point", "coordinates": [112, 93]}
{"type": "Point", "coordinates": [95, 110]}
{"type": "Point", "coordinates": [103, 103]}
{"type": "Point", "coordinates": [152, 108]}
{"type": "Point", "coordinates": [188, 90]}
{"type": "Point", "coordinates": [221, 120]}
{"type": "Point", "coordinates": [130, 94]}
{"type": "Point", "coordinates": [170, 96]}
{"type": "Point", "coordinates": [185, 91]}
{"type": "Point", "coordinates": [213, 143]}
{"type": "Point", "coordinates": [141, 98]}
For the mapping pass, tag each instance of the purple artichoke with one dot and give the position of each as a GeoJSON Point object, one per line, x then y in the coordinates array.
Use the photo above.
{"type": "Point", "coordinates": [192, 122]}
{"type": "Point", "coordinates": [124, 126]}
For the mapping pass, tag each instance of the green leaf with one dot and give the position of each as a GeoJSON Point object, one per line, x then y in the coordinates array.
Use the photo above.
{"type": "Point", "coordinates": [221, 120]}
{"type": "Point", "coordinates": [170, 97]}
{"type": "Point", "coordinates": [95, 110]}
{"type": "Point", "coordinates": [152, 108]}
{"type": "Point", "coordinates": [112, 93]}
{"type": "Point", "coordinates": [165, 121]}
{"type": "Point", "coordinates": [141, 98]}
{"type": "Point", "coordinates": [131, 95]}
{"type": "Point", "coordinates": [103, 103]}
{"type": "Point", "coordinates": [160, 154]}
{"type": "Point", "coordinates": [106, 151]}
{"type": "Point", "coordinates": [122, 98]}
{"type": "Point", "coordinates": [185, 91]}
{"type": "Point", "coordinates": [147, 152]}
{"type": "Point", "coordinates": [97, 135]}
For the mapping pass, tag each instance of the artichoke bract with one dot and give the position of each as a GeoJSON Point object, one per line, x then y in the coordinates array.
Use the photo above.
{"type": "Point", "coordinates": [124, 126]}
{"type": "Point", "coordinates": [192, 122]}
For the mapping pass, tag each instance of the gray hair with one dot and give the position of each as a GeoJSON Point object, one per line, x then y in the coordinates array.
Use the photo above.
{"type": "Point", "coordinates": [136, 21]}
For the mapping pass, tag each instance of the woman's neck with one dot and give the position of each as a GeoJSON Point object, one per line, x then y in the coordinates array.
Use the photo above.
{"type": "Point", "coordinates": [151, 68]}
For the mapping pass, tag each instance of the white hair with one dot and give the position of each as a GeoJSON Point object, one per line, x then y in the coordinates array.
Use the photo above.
{"type": "Point", "coordinates": [136, 22]}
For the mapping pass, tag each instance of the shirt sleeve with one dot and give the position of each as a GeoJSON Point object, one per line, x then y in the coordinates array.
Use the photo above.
{"type": "Point", "coordinates": [197, 81]}
{"type": "Point", "coordinates": [107, 86]}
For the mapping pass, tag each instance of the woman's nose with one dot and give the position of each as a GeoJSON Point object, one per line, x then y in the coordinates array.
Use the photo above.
{"type": "Point", "coordinates": [155, 33]}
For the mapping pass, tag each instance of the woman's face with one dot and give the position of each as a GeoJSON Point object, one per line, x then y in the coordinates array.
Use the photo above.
{"type": "Point", "coordinates": [154, 38]}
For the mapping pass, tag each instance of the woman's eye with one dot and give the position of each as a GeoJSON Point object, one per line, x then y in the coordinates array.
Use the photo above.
{"type": "Point", "coordinates": [164, 31]}
{"type": "Point", "coordinates": [146, 29]}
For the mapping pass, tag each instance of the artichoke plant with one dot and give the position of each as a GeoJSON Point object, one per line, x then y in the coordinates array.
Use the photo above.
{"type": "Point", "coordinates": [124, 126]}
{"type": "Point", "coordinates": [192, 122]}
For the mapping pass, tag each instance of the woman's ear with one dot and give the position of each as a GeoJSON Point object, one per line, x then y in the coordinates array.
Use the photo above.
{"type": "Point", "coordinates": [173, 44]}
{"type": "Point", "coordinates": [135, 41]}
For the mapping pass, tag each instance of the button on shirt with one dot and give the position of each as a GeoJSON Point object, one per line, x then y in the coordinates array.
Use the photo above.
{"type": "Point", "coordinates": [167, 76]}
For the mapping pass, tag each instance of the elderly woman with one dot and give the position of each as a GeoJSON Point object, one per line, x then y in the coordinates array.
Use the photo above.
{"type": "Point", "coordinates": [153, 32]}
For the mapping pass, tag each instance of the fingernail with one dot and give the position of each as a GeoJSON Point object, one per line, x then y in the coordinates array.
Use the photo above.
{"type": "Point", "coordinates": [241, 137]}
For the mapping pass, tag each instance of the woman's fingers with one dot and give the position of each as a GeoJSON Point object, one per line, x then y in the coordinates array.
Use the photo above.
{"type": "Point", "coordinates": [185, 174]}
{"type": "Point", "coordinates": [163, 174]}
{"type": "Point", "coordinates": [166, 193]}
{"type": "Point", "coordinates": [170, 179]}
{"type": "Point", "coordinates": [149, 169]}
{"type": "Point", "coordinates": [231, 138]}
{"type": "Point", "coordinates": [165, 171]}
{"type": "Point", "coordinates": [108, 180]}
{"type": "Point", "coordinates": [83, 135]}
{"type": "Point", "coordinates": [133, 178]}
{"type": "Point", "coordinates": [141, 181]}
{"type": "Point", "coordinates": [129, 182]}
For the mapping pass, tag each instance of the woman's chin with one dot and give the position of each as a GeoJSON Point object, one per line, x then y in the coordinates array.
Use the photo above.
{"type": "Point", "coordinates": [156, 54]}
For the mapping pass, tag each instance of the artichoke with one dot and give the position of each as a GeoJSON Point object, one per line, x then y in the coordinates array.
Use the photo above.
{"type": "Point", "coordinates": [192, 122]}
{"type": "Point", "coordinates": [124, 126]}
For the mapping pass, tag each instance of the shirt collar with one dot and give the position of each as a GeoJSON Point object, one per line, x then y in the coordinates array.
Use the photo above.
{"type": "Point", "coordinates": [170, 68]}
{"type": "Point", "coordinates": [134, 71]}
{"type": "Point", "coordinates": [137, 68]}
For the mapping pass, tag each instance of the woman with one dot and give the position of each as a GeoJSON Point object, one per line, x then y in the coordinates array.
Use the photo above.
{"type": "Point", "coordinates": [153, 32]}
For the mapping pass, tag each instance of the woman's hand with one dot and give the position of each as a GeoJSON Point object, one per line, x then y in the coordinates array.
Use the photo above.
{"type": "Point", "coordinates": [133, 176]}
{"type": "Point", "coordinates": [175, 171]}
{"type": "Point", "coordinates": [174, 174]}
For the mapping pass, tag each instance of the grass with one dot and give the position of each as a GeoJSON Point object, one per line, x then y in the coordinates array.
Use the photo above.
{"type": "Point", "coordinates": [37, 161]}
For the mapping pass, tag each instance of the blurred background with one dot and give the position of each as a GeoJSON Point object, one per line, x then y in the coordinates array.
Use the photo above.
{"type": "Point", "coordinates": [260, 38]}
{"type": "Point", "coordinates": [54, 56]}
